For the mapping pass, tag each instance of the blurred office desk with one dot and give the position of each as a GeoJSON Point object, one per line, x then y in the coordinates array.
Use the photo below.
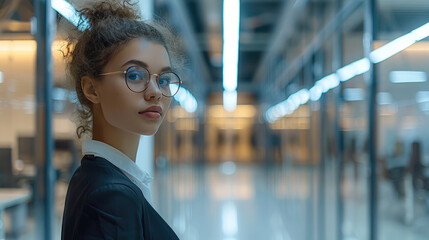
{"type": "Point", "coordinates": [13, 199]}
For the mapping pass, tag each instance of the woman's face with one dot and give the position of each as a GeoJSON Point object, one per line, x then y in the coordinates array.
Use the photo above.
{"type": "Point", "coordinates": [139, 113]}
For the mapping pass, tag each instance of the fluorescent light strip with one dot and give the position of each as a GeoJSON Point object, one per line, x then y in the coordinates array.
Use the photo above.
{"type": "Point", "coordinates": [1, 77]}
{"type": "Point", "coordinates": [231, 38]}
{"type": "Point", "coordinates": [288, 106]}
{"type": "Point", "coordinates": [399, 44]}
{"type": "Point", "coordinates": [229, 218]}
{"type": "Point", "coordinates": [316, 93]}
{"type": "Point", "coordinates": [354, 69]}
{"type": "Point", "coordinates": [421, 32]}
{"type": "Point", "coordinates": [384, 98]}
{"type": "Point", "coordinates": [186, 100]}
{"type": "Point", "coordinates": [354, 94]}
{"type": "Point", "coordinates": [391, 48]}
{"type": "Point", "coordinates": [424, 106]}
{"type": "Point", "coordinates": [230, 100]}
{"type": "Point", "coordinates": [67, 10]}
{"type": "Point", "coordinates": [407, 77]}
{"type": "Point", "coordinates": [350, 71]}
{"type": "Point", "coordinates": [60, 94]}
{"type": "Point", "coordinates": [328, 82]}
{"type": "Point", "coordinates": [422, 96]}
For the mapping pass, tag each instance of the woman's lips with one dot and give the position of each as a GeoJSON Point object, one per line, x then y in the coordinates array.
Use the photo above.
{"type": "Point", "coordinates": [153, 112]}
{"type": "Point", "coordinates": [153, 115]}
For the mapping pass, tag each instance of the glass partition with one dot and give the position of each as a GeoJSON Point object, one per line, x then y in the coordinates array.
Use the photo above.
{"type": "Point", "coordinates": [354, 126]}
{"type": "Point", "coordinates": [402, 102]}
{"type": "Point", "coordinates": [17, 138]}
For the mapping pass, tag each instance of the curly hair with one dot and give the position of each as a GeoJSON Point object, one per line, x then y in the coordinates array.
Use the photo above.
{"type": "Point", "coordinates": [108, 26]}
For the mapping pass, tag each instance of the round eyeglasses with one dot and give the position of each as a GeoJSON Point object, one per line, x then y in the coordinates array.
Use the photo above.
{"type": "Point", "coordinates": [138, 78]}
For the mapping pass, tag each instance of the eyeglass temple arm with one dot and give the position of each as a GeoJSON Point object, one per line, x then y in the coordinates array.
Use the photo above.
{"type": "Point", "coordinates": [111, 73]}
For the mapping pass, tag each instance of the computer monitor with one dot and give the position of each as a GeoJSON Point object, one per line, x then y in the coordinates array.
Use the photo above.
{"type": "Point", "coordinates": [27, 149]}
{"type": "Point", "coordinates": [6, 174]}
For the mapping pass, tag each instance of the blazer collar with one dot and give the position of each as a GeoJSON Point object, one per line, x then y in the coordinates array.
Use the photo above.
{"type": "Point", "coordinates": [117, 158]}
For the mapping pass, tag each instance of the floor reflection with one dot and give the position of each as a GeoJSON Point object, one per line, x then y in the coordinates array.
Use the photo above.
{"type": "Point", "coordinates": [257, 202]}
{"type": "Point", "coordinates": [274, 202]}
{"type": "Point", "coordinates": [231, 201]}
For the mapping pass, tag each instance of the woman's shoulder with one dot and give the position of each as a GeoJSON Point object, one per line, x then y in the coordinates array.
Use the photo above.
{"type": "Point", "coordinates": [98, 167]}
{"type": "Point", "coordinates": [118, 194]}
{"type": "Point", "coordinates": [110, 211]}
{"type": "Point", "coordinates": [98, 176]}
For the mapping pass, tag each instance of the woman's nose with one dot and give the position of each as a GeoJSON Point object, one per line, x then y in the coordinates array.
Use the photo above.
{"type": "Point", "coordinates": [153, 91]}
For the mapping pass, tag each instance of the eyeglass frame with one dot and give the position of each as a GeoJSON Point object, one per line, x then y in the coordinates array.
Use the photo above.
{"type": "Point", "coordinates": [150, 76]}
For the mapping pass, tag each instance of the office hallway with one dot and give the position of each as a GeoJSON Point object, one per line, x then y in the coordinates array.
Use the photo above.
{"type": "Point", "coordinates": [255, 202]}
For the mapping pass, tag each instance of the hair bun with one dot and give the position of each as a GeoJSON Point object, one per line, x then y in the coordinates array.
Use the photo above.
{"type": "Point", "coordinates": [108, 10]}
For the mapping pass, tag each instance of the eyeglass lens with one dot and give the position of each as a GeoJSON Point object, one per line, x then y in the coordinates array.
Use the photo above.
{"type": "Point", "coordinates": [138, 79]}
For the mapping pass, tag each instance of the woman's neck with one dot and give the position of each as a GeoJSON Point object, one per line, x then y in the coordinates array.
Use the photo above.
{"type": "Point", "coordinates": [125, 142]}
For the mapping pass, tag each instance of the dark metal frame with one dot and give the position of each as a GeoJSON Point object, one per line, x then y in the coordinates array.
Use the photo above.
{"type": "Point", "coordinates": [309, 80]}
{"type": "Point", "coordinates": [322, 167]}
{"type": "Point", "coordinates": [338, 63]}
{"type": "Point", "coordinates": [331, 27]}
{"type": "Point", "coordinates": [371, 35]}
{"type": "Point", "coordinates": [45, 174]}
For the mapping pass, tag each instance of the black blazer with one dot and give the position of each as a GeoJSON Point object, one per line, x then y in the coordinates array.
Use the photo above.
{"type": "Point", "coordinates": [103, 203]}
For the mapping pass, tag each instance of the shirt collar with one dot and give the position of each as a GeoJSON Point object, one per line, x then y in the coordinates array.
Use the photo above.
{"type": "Point", "coordinates": [116, 157]}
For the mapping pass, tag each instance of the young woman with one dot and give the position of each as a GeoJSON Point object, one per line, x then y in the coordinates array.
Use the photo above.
{"type": "Point", "coordinates": [122, 72]}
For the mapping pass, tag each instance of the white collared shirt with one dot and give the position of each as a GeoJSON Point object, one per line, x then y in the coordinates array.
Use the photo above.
{"type": "Point", "coordinates": [138, 176]}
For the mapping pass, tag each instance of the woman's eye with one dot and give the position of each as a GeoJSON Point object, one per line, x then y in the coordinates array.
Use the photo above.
{"type": "Point", "coordinates": [164, 80]}
{"type": "Point", "coordinates": [135, 76]}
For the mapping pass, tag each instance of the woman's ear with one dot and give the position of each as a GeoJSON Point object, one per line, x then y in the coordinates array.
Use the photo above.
{"type": "Point", "coordinates": [88, 88]}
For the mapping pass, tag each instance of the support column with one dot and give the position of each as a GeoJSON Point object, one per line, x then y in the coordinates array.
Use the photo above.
{"type": "Point", "coordinates": [321, 207]}
{"type": "Point", "coordinates": [322, 168]}
{"type": "Point", "coordinates": [371, 80]}
{"type": "Point", "coordinates": [337, 64]}
{"type": "Point", "coordinates": [309, 81]}
{"type": "Point", "coordinates": [45, 174]}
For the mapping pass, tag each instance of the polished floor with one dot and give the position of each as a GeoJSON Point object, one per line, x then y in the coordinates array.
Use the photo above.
{"type": "Point", "coordinates": [280, 202]}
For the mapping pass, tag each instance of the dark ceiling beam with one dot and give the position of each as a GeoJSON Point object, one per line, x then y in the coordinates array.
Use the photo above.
{"type": "Point", "coordinates": [247, 1]}
{"type": "Point", "coordinates": [253, 47]}
{"type": "Point", "coordinates": [282, 31]}
{"type": "Point", "coordinates": [8, 9]}
{"type": "Point", "coordinates": [14, 26]}
{"type": "Point", "coordinates": [334, 23]}
{"type": "Point", "coordinates": [251, 41]}
{"type": "Point", "coordinates": [181, 15]}
{"type": "Point", "coordinates": [200, 69]}
{"type": "Point", "coordinates": [23, 11]}
{"type": "Point", "coordinates": [248, 87]}
{"type": "Point", "coordinates": [16, 36]}
{"type": "Point", "coordinates": [262, 1]}
{"type": "Point", "coordinates": [210, 39]}
{"type": "Point", "coordinates": [248, 41]}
